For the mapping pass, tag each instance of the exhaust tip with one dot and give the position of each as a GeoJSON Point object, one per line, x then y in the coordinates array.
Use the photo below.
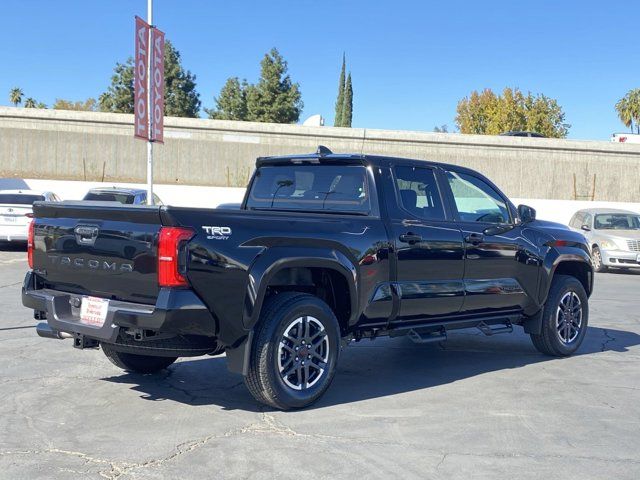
{"type": "Point", "coordinates": [44, 330]}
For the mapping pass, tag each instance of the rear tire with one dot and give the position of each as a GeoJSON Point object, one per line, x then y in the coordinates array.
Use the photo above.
{"type": "Point", "coordinates": [294, 352]}
{"type": "Point", "coordinates": [596, 259]}
{"type": "Point", "coordinates": [136, 363]}
{"type": "Point", "coordinates": [565, 318]}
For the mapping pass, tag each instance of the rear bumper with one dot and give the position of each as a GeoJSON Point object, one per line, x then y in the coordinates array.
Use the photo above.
{"type": "Point", "coordinates": [13, 233]}
{"type": "Point", "coordinates": [176, 311]}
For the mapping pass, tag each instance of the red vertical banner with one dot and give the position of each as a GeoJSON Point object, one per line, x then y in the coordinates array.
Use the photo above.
{"type": "Point", "coordinates": [157, 85]}
{"type": "Point", "coordinates": [141, 104]}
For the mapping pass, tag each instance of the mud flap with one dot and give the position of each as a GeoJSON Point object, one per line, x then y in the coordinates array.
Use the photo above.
{"type": "Point", "coordinates": [238, 357]}
{"type": "Point", "coordinates": [533, 324]}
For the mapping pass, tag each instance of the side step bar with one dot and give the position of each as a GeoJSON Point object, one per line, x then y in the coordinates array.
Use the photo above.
{"type": "Point", "coordinates": [426, 333]}
{"type": "Point", "coordinates": [429, 337]}
{"type": "Point", "coordinates": [488, 330]}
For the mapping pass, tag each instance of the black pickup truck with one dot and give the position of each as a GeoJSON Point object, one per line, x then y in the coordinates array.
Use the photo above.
{"type": "Point", "coordinates": [325, 249]}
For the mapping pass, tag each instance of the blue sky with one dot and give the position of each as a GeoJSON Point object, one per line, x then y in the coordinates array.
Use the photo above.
{"type": "Point", "coordinates": [411, 61]}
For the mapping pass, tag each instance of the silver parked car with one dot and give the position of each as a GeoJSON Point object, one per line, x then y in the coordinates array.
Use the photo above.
{"type": "Point", "coordinates": [614, 236]}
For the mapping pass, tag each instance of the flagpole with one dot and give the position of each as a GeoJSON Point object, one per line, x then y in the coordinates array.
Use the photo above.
{"type": "Point", "coordinates": [150, 108]}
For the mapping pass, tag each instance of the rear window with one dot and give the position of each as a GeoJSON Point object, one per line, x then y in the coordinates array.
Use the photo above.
{"type": "Point", "coordinates": [312, 188]}
{"type": "Point", "coordinates": [110, 197]}
{"type": "Point", "coordinates": [20, 199]}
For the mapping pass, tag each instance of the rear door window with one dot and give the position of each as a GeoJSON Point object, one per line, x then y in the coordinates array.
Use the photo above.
{"type": "Point", "coordinates": [418, 192]}
{"type": "Point", "coordinates": [312, 188]}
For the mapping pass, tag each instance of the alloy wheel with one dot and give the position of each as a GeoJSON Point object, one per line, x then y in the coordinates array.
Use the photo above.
{"type": "Point", "coordinates": [303, 353]}
{"type": "Point", "coordinates": [569, 317]}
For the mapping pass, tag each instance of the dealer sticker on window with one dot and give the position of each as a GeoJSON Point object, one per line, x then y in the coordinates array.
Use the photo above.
{"type": "Point", "coordinates": [93, 311]}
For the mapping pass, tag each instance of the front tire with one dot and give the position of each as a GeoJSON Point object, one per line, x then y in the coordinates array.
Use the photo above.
{"type": "Point", "coordinates": [136, 363]}
{"type": "Point", "coordinates": [294, 352]}
{"type": "Point", "coordinates": [596, 258]}
{"type": "Point", "coordinates": [565, 318]}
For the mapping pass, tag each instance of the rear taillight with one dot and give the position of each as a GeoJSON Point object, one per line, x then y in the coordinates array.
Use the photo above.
{"type": "Point", "coordinates": [32, 226]}
{"type": "Point", "coordinates": [169, 241]}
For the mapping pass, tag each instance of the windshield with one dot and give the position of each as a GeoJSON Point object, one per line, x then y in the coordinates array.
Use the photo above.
{"type": "Point", "coordinates": [110, 197]}
{"type": "Point", "coordinates": [617, 221]}
{"type": "Point", "coordinates": [17, 199]}
{"type": "Point", "coordinates": [339, 188]}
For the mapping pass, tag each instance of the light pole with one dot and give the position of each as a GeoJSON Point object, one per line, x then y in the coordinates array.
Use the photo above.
{"type": "Point", "coordinates": [150, 109]}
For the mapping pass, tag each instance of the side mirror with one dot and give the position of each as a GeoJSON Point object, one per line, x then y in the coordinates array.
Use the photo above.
{"type": "Point", "coordinates": [586, 228]}
{"type": "Point", "coordinates": [526, 213]}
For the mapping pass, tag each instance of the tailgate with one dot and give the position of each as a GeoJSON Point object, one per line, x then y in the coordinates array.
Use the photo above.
{"type": "Point", "coordinates": [102, 249]}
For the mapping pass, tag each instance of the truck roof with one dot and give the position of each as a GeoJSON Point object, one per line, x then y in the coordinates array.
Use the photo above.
{"type": "Point", "coordinates": [324, 155]}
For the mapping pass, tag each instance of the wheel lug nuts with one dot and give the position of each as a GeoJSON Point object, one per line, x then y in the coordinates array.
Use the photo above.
{"type": "Point", "coordinates": [308, 356]}
{"type": "Point", "coordinates": [302, 363]}
{"type": "Point", "coordinates": [297, 359]}
{"type": "Point", "coordinates": [297, 348]}
{"type": "Point", "coordinates": [303, 342]}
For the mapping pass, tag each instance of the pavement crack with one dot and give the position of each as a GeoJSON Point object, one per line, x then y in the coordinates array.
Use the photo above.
{"type": "Point", "coordinates": [608, 340]}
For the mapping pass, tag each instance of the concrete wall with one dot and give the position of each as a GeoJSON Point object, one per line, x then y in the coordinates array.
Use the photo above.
{"type": "Point", "coordinates": [99, 146]}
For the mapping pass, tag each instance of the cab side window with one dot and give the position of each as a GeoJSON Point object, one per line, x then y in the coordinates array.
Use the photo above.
{"type": "Point", "coordinates": [418, 192]}
{"type": "Point", "coordinates": [476, 200]}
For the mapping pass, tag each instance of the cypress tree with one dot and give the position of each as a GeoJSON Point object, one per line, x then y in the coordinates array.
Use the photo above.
{"type": "Point", "coordinates": [338, 120]}
{"type": "Point", "coordinates": [347, 114]}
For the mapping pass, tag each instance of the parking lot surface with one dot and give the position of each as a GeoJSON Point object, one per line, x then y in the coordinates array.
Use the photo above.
{"type": "Point", "coordinates": [473, 407]}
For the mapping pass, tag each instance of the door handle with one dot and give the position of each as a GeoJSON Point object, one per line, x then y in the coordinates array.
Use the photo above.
{"type": "Point", "coordinates": [474, 238]}
{"type": "Point", "coordinates": [410, 238]}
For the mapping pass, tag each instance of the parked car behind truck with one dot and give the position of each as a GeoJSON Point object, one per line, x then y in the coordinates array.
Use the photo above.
{"type": "Point", "coordinates": [16, 212]}
{"type": "Point", "coordinates": [325, 249]}
{"type": "Point", "coordinates": [612, 234]}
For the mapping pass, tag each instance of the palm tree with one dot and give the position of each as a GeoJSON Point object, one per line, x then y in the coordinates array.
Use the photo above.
{"type": "Point", "coordinates": [628, 108]}
{"type": "Point", "coordinates": [30, 103]}
{"type": "Point", "coordinates": [15, 96]}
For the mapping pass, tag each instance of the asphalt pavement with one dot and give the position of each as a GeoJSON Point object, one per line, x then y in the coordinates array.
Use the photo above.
{"type": "Point", "coordinates": [473, 407]}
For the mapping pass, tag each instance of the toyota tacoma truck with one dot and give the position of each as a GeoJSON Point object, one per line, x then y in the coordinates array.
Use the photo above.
{"type": "Point", "coordinates": [325, 249]}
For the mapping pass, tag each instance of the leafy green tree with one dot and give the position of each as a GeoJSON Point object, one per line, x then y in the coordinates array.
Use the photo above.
{"type": "Point", "coordinates": [441, 129]}
{"type": "Point", "coordinates": [89, 105]}
{"type": "Point", "coordinates": [30, 103]}
{"type": "Point", "coordinates": [275, 98]}
{"type": "Point", "coordinates": [347, 113]}
{"type": "Point", "coordinates": [180, 96]}
{"type": "Point", "coordinates": [486, 113]}
{"type": "Point", "coordinates": [15, 96]}
{"type": "Point", "coordinates": [231, 104]}
{"type": "Point", "coordinates": [119, 96]}
{"type": "Point", "coordinates": [337, 122]}
{"type": "Point", "coordinates": [628, 108]}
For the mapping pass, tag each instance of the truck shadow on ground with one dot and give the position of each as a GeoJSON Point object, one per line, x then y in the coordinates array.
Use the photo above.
{"type": "Point", "coordinates": [370, 370]}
